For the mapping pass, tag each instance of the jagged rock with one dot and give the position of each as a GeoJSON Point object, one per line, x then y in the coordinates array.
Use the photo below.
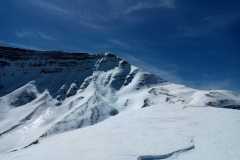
{"type": "Point", "coordinates": [146, 103]}
{"type": "Point", "coordinates": [23, 98]}
{"type": "Point", "coordinates": [113, 112]}
{"type": "Point", "coordinates": [72, 90]}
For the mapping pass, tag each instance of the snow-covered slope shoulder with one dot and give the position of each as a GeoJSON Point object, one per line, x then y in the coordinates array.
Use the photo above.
{"type": "Point", "coordinates": [45, 93]}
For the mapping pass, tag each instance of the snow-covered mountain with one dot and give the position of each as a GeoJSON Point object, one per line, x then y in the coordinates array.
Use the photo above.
{"type": "Point", "coordinates": [45, 93]}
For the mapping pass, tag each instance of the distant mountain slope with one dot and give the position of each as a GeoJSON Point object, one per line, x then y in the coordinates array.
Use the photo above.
{"type": "Point", "coordinates": [44, 93]}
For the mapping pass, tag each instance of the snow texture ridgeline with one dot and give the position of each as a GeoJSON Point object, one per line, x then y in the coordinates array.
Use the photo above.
{"type": "Point", "coordinates": [44, 93]}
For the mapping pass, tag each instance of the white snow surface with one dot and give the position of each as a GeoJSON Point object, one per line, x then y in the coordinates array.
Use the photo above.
{"type": "Point", "coordinates": [150, 131]}
{"type": "Point", "coordinates": [115, 112]}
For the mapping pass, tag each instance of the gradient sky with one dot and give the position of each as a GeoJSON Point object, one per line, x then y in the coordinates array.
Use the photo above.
{"type": "Point", "coordinates": [192, 42]}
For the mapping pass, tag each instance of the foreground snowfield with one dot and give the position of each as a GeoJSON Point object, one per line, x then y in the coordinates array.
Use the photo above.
{"type": "Point", "coordinates": [157, 130]}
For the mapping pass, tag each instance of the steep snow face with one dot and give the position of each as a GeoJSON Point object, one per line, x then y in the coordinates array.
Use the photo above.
{"type": "Point", "coordinates": [46, 93]}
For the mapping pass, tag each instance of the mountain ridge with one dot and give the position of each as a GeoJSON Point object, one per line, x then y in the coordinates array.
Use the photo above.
{"type": "Point", "coordinates": [45, 95]}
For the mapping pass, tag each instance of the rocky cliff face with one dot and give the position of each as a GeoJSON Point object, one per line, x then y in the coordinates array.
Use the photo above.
{"type": "Point", "coordinates": [57, 71]}
{"type": "Point", "coordinates": [61, 91]}
{"type": "Point", "coordinates": [43, 93]}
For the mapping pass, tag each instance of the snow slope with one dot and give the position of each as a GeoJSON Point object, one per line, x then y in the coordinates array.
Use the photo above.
{"type": "Point", "coordinates": [69, 106]}
{"type": "Point", "coordinates": [157, 130]}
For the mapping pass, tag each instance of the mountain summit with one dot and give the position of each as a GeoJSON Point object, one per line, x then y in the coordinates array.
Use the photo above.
{"type": "Point", "coordinates": [45, 93]}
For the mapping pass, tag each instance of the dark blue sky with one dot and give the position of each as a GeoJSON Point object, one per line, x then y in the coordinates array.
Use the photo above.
{"type": "Point", "coordinates": [192, 42]}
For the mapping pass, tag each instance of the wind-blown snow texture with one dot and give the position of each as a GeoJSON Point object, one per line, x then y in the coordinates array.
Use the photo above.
{"type": "Point", "coordinates": [43, 94]}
